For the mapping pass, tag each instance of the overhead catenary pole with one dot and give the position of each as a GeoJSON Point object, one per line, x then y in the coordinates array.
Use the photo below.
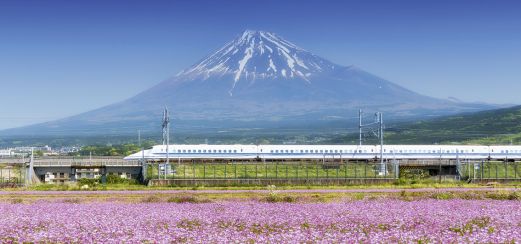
{"type": "Point", "coordinates": [31, 166]}
{"type": "Point", "coordinates": [139, 138]}
{"type": "Point", "coordinates": [382, 142]}
{"type": "Point", "coordinates": [360, 127]}
{"type": "Point", "coordinates": [166, 141]}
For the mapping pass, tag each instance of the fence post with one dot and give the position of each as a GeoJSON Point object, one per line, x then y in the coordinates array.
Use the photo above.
{"type": "Point", "coordinates": [365, 170]}
{"type": "Point", "coordinates": [506, 169]}
{"type": "Point", "coordinates": [265, 171]}
{"type": "Point", "coordinates": [286, 171]}
{"type": "Point", "coordinates": [256, 171]}
{"type": "Point", "coordinates": [482, 170]}
{"type": "Point", "coordinates": [298, 166]}
{"type": "Point", "coordinates": [496, 171]}
{"type": "Point", "coordinates": [515, 169]}
{"type": "Point", "coordinates": [327, 172]}
{"type": "Point", "coordinates": [225, 170]}
{"type": "Point", "coordinates": [204, 171]}
{"type": "Point", "coordinates": [245, 171]}
{"type": "Point", "coordinates": [276, 170]}
{"type": "Point", "coordinates": [235, 168]}
{"type": "Point", "coordinates": [317, 169]}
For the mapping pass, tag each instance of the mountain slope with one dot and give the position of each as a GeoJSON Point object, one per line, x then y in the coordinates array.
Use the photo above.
{"type": "Point", "coordinates": [257, 77]}
{"type": "Point", "coordinates": [497, 126]}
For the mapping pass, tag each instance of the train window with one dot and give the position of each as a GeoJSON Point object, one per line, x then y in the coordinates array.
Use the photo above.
{"type": "Point", "coordinates": [336, 151]}
{"type": "Point", "coordinates": [235, 151]}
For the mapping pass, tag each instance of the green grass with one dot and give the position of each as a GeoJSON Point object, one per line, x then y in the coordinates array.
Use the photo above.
{"type": "Point", "coordinates": [273, 171]}
{"type": "Point", "coordinates": [492, 170]}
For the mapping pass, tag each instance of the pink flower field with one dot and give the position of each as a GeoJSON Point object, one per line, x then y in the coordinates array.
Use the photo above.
{"type": "Point", "coordinates": [352, 221]}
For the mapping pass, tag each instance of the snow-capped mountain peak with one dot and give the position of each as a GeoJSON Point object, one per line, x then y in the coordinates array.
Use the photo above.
{"type": "Point", "coordinates": [258, 55]}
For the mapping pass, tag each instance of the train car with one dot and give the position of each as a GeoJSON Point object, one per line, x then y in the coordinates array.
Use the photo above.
{"type": "Point", "coordinates": [314, 152]}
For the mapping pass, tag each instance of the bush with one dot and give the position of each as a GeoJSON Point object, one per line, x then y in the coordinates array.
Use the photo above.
{"type": "Point", "coordinates": [443, 195]}
{"type": "Point", "coordinates": [16, 201]}
{"type": "Point", "coordinates": [89, 182]}
{"type": "Point", "coordinates": [187, 199]}
{"type": "Point", "coordinates": [277, 198]}
{"type": "Point", "coordinates": [72, 200]}
{"type": "Point", "coordinates": [413, 175]}
{"type": "Point", "coordinates": [116, 179]}
{"type": "Point", "coordinates": [151, 199]}
{"type": "Point", "coordinates": [515, 195]}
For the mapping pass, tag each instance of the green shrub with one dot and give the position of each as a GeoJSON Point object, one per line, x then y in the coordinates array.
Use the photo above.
{"type": "Point", "coordinates": [498, 195]}
{"type": "Point", "coordinates": [72, 200]}
{"type": "Point", "coordinates": [89, 182]}
{"type": "Point", "coordinates": [515, 195]}
{"type": "Point", "coordinates": [187, 199]}
{"type": "Point", "coordinates": [151, 199]}
{"type": "Point", "coordinates": [116, 179]}
{"type": "Point", "coordinates": [443, 195]}
{"type": "Point", "coordinates": [16, 201]}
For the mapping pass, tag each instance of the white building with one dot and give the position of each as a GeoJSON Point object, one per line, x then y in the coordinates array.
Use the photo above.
{"type": "Point", "coordinates": [6, 153]}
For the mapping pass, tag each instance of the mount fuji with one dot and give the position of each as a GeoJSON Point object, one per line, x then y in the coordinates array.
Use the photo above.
{"type": "Point", "coordinates": [258, 76]}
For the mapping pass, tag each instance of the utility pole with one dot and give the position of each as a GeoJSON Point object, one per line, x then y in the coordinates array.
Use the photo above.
{"type": "Point", "coordinates": [360, 127]}
{"type": "Point", "coordinates": [381, 121]}
{"type": "Point", "coordinates": [166, 141]}
{"type": "Point", "coordinates": [139, 138]}
{"type": "Point", "coordinates": [31, 166]}
{"type": "Point", "coordinates": [378, 132]}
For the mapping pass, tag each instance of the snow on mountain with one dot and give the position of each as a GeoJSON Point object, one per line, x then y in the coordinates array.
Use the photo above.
{"type": "Point", "coordinates": [258, 55]}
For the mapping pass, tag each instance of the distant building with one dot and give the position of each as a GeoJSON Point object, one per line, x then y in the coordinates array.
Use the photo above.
{"type": "Point", "coordinates": [66, 150]}
{"type": "Point", "coordinates": [6, 153]}
{"type": "Point", "coordinates": [45, 148]}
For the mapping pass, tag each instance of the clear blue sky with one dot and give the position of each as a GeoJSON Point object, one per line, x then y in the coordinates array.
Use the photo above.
{"type": "Point", "coordinates": [59, 58]}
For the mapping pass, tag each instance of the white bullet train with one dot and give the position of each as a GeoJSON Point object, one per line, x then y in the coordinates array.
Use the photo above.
{"type": "Point", "coordinates": [310, 152]}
